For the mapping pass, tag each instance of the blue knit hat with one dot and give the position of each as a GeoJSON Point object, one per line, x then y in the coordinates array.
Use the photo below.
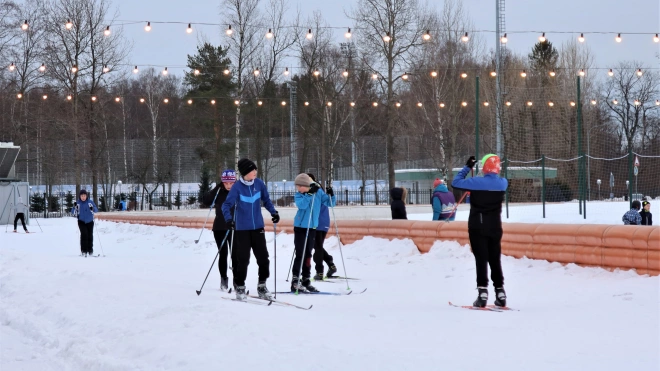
{"type": "Point", "coordinates": [228, 176]}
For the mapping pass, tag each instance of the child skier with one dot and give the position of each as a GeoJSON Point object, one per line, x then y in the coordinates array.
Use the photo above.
{"type": "Point", "coordinates": [21, 209]}
{"type": "Point", "coordinates": [84, 209]}
{"type": "Point", "coordinates": [308, 199]}
{"type": "Point", "coordinates": [398, 205]}
{"type": "Point", "coordinates": [320, 253]}
{"type": "Point", "coordinates": [485, 224]}
{"type": "Point", "coordinates": [647, 217]}
{"type": "Point", "coordinates": [220, 228]}
{"type": "Point", "coordinates": [632, 217]}
{"type": "Point", "coordinates": [444, 203]}
{"type": "Point", "coordinates": [246, 196]}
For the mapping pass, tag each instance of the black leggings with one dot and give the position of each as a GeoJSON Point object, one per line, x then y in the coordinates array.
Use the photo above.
{"type": "Point", "coordinates": [299, 236]}
{"type": "Point", "coordinates": [86, 237]}
{"type": "Point", "coordinates": [20, 216]}
{"type": "Point", "coordinates": [487, 250]}
{"type": "Point", "coordinates": [320, 254]}
{"type": "Point", "coordinates": [222, 263]}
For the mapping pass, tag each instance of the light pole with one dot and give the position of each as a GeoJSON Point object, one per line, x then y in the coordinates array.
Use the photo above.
{"type": "Point", "coordinates": [119, 204]}
{"type": "Point", "coordinates": [283, 187]}
{"type": "Point", "coordinates": [627, 184]}
{"type": "Point", "coordinates": [589, 158]}
{"type": "Point", "coordinates": [598, 182]}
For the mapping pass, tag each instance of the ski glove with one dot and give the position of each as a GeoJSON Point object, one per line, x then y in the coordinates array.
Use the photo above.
{"type": "Point", "coordinates": [313, 188]}
{"type": "Point", "coordinates": [329, 191]}
{"type": "Point", "coordinates": [276, 217]}
{"type": "Point", "coordinates": [470, 162]}
{"type": "Point", "coordinates": [231, 224]}
{"type": "Point", "coordinates": [91, 207]}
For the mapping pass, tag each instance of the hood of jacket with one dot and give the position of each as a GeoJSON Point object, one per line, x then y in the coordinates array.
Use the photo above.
{"type": "Point", "coordinates": [441, 188]}
{"type": "Point", "coordinates": [396, 193]}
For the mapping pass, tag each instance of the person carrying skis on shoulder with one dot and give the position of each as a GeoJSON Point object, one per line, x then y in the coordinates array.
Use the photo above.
{"type": "Point", "coordinates": [308, 199]}
{"type": "Point", "coordinates": [632, 217]}
{"type": "Point", "coordinates": [246, 196]}
{"type": "Point", "coordinates": [21, 209]}
{"type": "Point", "coordinates": [220, 228]}
{"type": "Point", "coordinates": [485, 224]}
{"type": "Point", "coordinates": [444, 203]}
{"type": "Point", "coordinates": [647, 217]}
{"type": "Point", "coordinates": [320, 253]}
{"type": "Point", "coordinates": [84, 210]}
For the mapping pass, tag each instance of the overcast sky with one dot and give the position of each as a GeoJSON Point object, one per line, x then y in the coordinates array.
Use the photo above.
{"type": "Point", "coordinates": [168, 44]}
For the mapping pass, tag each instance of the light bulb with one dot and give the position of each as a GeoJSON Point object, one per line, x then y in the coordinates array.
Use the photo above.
{"type": "Point", "coordinates": [419, 104]}
{"type": "Point", "coordinates": [68, 25]}
{"type": "Point", "coordinates": [572, 104]}
{"type": "Point", "coordinates": [551, 104]}
{"type": "Point", "coordinates": [106, 69]}
{"type": "Point", "coordinates": [69, 97]}
{"type": "Point", "coordinates": [345, 73]}
{"type": "Point", "coordinates": [316, 73]}
{"type": "Point", "coordinates": [387, 37]}
{"type": "Point", "coordinates": [148, 27]}
{"type": "Point", "coordinates": [141, 100]}
{"type": "Point", "coordinates": [493, 73]}
{"type": "Point", "coordinates": [19, 95]}
{"type": "Point", "coordinates": [348, 33]}
{"type": "Point", "coordinates": [229, 31]}
{"type": "Point", "coordinates": [189, 29]}
{"type": "Point", "coordinates": [269, 34]}
{"type": "Point", "coordinates": [581, 38]}
{"type": "Point", "coordinates": [657, 102]}
{"type": "Point", "coordinates": [397, 104]}
{"type": "Point", "coordinates": [656, 38]}
{"type": "Point", "coordinates": [542, 38]}
{"type": "Point", "coordinates": [465, 38]}
{"type": "Point", "coordinates": [610, 72]}
{"type": "Point", "coordinates": [107, 31]}
{"type": "Point", "coordinates": [504, 39]}
{"type": "Point", "coordinates": [523, 74]}
{"type": "Point", "coordinates": [352, 104]}
{"type": "Point", "coordinates": [486, 104]}
{"type": "Point", "coordinates": [25, 25]}
{"type": "Point", "coordinates": [93, 99]}
{"type": "Point", "coordinates": [615, 102]}
{"type": "Point", "coordinates": [310, 35]}
{"type": "Point", "coordinates": [329, 104]}
{"type": "Point", "coordinates": [135, 70]}
{"type": "Point", "coordinates": [427, 35]}
{"type": "Point", "coordinates": [508, 104]}
{"type": "Point", "coordinates": [165, 72]}
{"type": "Point", "coordinates": [42, 68]}
{"type": "Point", "coordinates": [212, 101]}
{"type": "Point", "coordinates": [283, 103]}
{"type": "Point", "coordinates": [442, 105]}
{"type": "Point", "coordinates": [260, 103]}
{"type": "Point", "coordinates": [74, 69]}
{"type": "Point", "coordinates": [464, 75]}
{"type": "Point", "coordinates": [375, 104]}
{"type": "Point", "coordinates": [639, 72]}
{"type": "Point", "coordinates": [286, 71]}
{"type": "Point", "coordinates": [237, 102]}
{"type": "Point", "coordinates": [190, 101]}
{"type": "Point", "coordinates": [593, 102]}
{"type": "Point", "coordinates": [226, 71]}
{"type": "Point", "coordinates": [117, 99]}
{"type": "Point", "coordinates": [196, 72]}
{"type": "Point", "coordinates": [45, 97]}
{"type": "Point", "coordinates": [530, 103]}
{"type": "Point", "coordinates": [434, 74]}
{"type": "Point", "coordinates": [552, 73]}
{"type": "Point", "coordinates": [581, 73]}
{"type": "Point", "coordinates": [307, 103]}
{"type": "Point", "coordinates": [256, 72]}
{"type": "Point", "coordinates": [464, 104]}
{"type": "Point", "coordinates": [637, 103]}
{"type": "Point", "coordinates": [405, 76]}
{"type": "Point", "coordinates": [373, 76]}
{"type": "Point", "coordinates": [166, 101]}
{"type": "Point", "coordinates": [618, 38]}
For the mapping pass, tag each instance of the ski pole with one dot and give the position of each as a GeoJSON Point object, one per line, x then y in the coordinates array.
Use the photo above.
{"type": "Point", "coordinates": [339, 244]}
{"type": "Point", "coordinates": [99, 238]}
{"type": "Point", "coordinates": [275, 250]}
{"type": "Point", "coordinates": [309, 224]}
{"type": "Point", "coordinates": [293, 253]}
{"type": "Point", "coordinates": [37, 220]}
{"type": "Point", "coordinates": [231, 244]}
{"type": "Point", "coordinates": [212, 265]}
{"type": "Point", "coordinates": [207, 215]}
{"type": "Point", "coordinates": [456, 207]}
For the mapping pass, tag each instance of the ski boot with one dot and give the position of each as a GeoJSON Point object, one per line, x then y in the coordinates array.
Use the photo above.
{"type": "Point", "coordinates": [224, 283]}
{"type": "Point", "coordinates": [308, 285]}
{"type": "Point", "coordinates": [296, 285]}
{"type": "Point", "coordinates": [263, 292]}
{"type": "Point", "coordinates": [240, 293]}
{"type": "Point", "coordinates": [318, 276]}
{"type": "Point", "coordinates": [482, 299]}
{"type": "Point", "coordinates": [15, 231]}
{"type": "Point", "coordinates": [332, 270]}
{"type": "Point", "coordinates": [500, 297]}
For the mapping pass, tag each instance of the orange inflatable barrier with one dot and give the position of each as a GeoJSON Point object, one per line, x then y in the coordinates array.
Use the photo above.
{"type": "Point", "coordinates": [594, 245]}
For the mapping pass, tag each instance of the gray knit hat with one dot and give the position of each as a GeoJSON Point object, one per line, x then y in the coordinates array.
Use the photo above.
{"type": "Point", "coordinates": [303, 180]}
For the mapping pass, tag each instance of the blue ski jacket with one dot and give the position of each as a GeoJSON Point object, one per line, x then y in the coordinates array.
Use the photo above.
{"type": "Point", "coordinates": [83, 211]}
{"type": "Point", "coordinates": [304, 204]}
{"type": "Point", "coordinates": [248, 200]}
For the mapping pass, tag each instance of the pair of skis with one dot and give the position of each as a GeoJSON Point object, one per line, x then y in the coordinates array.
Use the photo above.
{"type": "Point", "coordinates": [252, 299]}
{"type": "Point", "coordinates": [490, 308]}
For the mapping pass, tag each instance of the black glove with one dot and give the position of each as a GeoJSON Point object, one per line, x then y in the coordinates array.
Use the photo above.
{"type": "Point", "coordinates": [231, 224]}
{"type": "Point", "coordinates": [91, 207]}
{"type": "Point", "coordinates": [470, 162]}
{"type": "Point", "coordinates": [329, 191]}
{"type": "Point", "coordinates": [313, 188]}
{"type": "Point", "coordinates": [275, 217]}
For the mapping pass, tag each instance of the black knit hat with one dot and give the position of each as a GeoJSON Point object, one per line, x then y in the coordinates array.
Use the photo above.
{"type": "Point", "coordinates": [82, 192]}
{"type": "Point", "coordinates": [246, 166]}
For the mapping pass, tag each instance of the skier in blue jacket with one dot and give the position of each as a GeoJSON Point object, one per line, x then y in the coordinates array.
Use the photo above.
{"type": "Point", "coordinates": [84, 209]}
{"type": "Point", "coordinates": [485, 224]}
{"type": "Point", "coordinates": [320, 253]}
{"type": "Point", "coordinates": [247, 225]}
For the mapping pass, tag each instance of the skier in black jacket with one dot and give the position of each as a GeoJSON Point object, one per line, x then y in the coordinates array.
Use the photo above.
{"type": "Point", "coordinates": [485, 224]}
{"type": "Point", "coordinates": [220, 228]}
{"type": "Point", "coordinates": [647, 217]}
{"type": "Point", "coordinates": [398, 205]}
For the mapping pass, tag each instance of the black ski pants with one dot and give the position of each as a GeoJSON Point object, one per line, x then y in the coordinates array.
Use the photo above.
{"type": "Point", "coordinates": [299, 235]}
{"type": "Point", "coordinates": [320, 254]}
{"type": "Point", "coordinates": [487, 249]}
{"type": "Point", "coordinates": [86, 237]}
{"type": "Point", "coordinates": [222, 263]}
{"type": "Point", "coordinates": [21, 217]}
{"type": "Point", "coordinates": [244, 242]}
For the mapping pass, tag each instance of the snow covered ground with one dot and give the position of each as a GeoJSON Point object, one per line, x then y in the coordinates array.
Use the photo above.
{"type": "Point", "coordinates": [136, 309]}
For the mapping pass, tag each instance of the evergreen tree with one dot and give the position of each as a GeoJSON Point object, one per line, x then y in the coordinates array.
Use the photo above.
{"type": "Point", "coordinates": [543, 59]}
{"type": "Point", "coordinates": [37, 203]}
{"type": "Point", "coordinates": [205, 184]}
{"type": "Point", "coordinates": [69, 200]}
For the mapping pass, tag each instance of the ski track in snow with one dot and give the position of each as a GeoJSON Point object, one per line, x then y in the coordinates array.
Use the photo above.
{"type": "Point", "coordinates": [136, 309]}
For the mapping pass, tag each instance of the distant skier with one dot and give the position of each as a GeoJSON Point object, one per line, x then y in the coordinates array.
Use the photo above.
{"type": "Point", "coordinates": [21, 209]}
{"type": "Point", "coordinates": [444, 202]}
{"type": "Point", "coordinates": [485, 224]}
{"type": "Point", "coordinates": [632, 217]}
{"type": "Point", "coordinates": [84, 209]}
{"type": "Point", "coordinates": [398, 205]}
{"type": "Point", "coordinates": [220, 227]}
{"type": "Point", "coordinates": [647, 217]}
{"type": "Point", "coordinates": [320, 253]}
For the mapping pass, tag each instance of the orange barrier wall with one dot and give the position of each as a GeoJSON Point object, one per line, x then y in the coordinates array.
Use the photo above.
{"type": "Point", "coordinates": [606, 246]}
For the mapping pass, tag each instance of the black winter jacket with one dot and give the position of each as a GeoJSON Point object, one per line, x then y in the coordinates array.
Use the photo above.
{"type": "Point", "coordinates": [646, 217]}
{"type": "Point", "coordinates": [398, 207]}
{"type": "Point", "coordinates": [219, 223]}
